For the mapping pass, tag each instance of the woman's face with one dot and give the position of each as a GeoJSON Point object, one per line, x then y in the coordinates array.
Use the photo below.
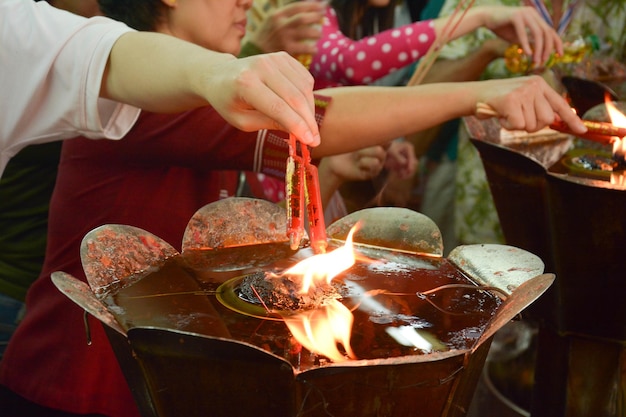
{"type": "Point", "coordinates": [214, 24]}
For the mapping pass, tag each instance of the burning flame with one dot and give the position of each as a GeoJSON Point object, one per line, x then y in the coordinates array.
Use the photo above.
{"type": "Point", "coordinates": [617, 119]}
{"type": "Point", "coordinates": [619, 145]}
{"type": "Point", "coordinates": [321, 330]}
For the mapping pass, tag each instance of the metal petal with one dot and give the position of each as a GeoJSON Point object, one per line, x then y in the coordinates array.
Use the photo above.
{"type": "Point", "coordinates": [236, 233]}
{"type": "Point", "coordinates": [393, 228]}
{"type": "Point", "coordinates": [113, 254]}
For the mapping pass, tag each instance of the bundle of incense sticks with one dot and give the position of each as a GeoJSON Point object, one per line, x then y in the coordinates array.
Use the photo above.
{"type": "Point", "coordinates": [431, 56]}
{"type": "Point", "coordinates": [601, 132]}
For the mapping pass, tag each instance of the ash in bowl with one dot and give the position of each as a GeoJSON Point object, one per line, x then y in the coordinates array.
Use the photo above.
{"type": "Point", "coordinates": [282, 292]}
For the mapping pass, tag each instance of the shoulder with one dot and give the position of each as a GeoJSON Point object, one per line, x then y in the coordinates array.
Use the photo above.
{"type": "Point", "coordinates": [330, 19]}
{"type": "Point", "coordinates": [28, 27]}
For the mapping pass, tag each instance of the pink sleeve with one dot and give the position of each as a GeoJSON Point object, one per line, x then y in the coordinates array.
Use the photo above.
{"type": "Point", "coordinates": [343, 61]}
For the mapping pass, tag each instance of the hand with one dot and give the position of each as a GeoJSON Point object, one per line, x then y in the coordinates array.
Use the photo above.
{"type": "Point", "coordinates": [160, 73]}
{"type": "Point", "coordinates": [360, 165]}
{"type": "Point", "coordinates": [401, 159]}
{"type": "Point", "coordinates": [524, 103]}
{"type": "Point", "coordinates": [523, 25]}
{"type": "Point", "coordinates": [270, 91]}
{"type": "Point", "coordinates": [294, 28]}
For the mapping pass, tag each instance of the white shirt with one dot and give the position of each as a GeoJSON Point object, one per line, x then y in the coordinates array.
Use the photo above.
{"type": "Point", "coordinates": [51, 66]}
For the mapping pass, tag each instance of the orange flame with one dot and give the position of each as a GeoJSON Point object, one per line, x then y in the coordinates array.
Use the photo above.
{"type": "Point", "coordinates": [324, 267]}
{"type": "Point", "coordinates": [322, 329]}
{"type": "Point", "coordinates": [617, 119]}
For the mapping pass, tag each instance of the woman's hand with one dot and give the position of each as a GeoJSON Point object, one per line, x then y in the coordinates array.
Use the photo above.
{"type": "Point", "coordinates": [524, 103]}
{"type": "Point", "coordinates": [294, 28]}
{"type": "Point", "coordinates": [269, 91]}
{"type": "Point", "coordinates": [360, 165]}
{"type": "Point", "coordinates": [524, 26]}
{"type": "Point", "coordinates": [401, 160]}
{"type": "Point", "coordinates": [161, 73]}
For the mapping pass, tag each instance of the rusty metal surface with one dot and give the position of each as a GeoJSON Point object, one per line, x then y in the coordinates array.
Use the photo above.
{"type": "Point", "coordinates": [236, 233]}
{"type": "Point", "coordinates": [588, 231]}
{"type": "Point", "coordinates": [234, 222]}
{"type": "Point", "coordinates": [198, 375]}
{"type": "Point", "coordinates": [573, 225]}
{"type": "Point", "coordinates": [545, 151]}
{"type": "Point", "coordinates": [81, 294]}
{"type": "Point", "coordinates": [112, 254]}
{"type": "Point", "coordinates": [524, 295]}
{"type": "Point", "coordinates": [576, 226]}
{"type": "Point", "coordinates": [183, 373]}
{"type": "Point", "coordinates": [501, 266]}
{"type": "Point", "coordinates": [395, 228]}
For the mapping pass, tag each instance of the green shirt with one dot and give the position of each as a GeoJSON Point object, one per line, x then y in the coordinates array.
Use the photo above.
{"type": "Point", "coordinates": [25, 190]}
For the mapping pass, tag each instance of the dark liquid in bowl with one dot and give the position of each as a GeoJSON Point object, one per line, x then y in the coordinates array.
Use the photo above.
{"type": "Point", "coordinates": [382, 294]}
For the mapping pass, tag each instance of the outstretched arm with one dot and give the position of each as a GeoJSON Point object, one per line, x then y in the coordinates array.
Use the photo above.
{"type": "Point", "coordinates": [523, 25]}
{"type": "Point", "coordinates": [359, 117]}
{"type": "Point", "coordinates": [163, 74]}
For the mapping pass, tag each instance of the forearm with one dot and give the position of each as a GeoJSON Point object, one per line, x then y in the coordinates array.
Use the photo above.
{"type": "Point", "coordinates": [163, 76]}
{"type": "Point", "coordinates": [471, 20]}
{"type": "Point", "coordinates": [359, 117]}
{"type": "Point", "coordinates": [468, 68]}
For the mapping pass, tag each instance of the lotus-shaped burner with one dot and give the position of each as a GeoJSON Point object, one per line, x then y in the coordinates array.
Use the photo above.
{"type": "Point", "coordinates": [190, 344]}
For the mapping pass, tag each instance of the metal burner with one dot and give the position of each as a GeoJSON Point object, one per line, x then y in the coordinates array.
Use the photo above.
{"type": "Point", "coordinates": [572, 217]}
{"type": "Point", "coordinates": [240, 361]}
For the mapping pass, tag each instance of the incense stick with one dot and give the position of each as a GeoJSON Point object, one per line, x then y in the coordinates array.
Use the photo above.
{"type": "Point", "coordinates": [430, 57]}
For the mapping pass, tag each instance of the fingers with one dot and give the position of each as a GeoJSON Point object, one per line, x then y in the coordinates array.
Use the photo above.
{"type": "Point", "coordinates": [526, 107]}
{"type": "Point", "coordinates": [296, 28]}
{"type": "Point", "coordinates": [525, 26]}
{"type": "Point", "coordinates": [369, 161]}
{"type": "Point", "coordinates": [529, 103]}
{"type": "Point", "coordinates": [545, 39]}
{"type": "Point", "coordinates": [401, 159]}
{"type": "Point", "coordinates": [566, 113]}
{"type": "Point", "coordinates": [369, 167]}
{"type": "Point", "coordinates": [274, 91]}
{"type": "Point", "coordinates": [377, 152]}
{"type": "Point", "coordinates": [305, 12]}
{"type": "Point", "coordinates": [304, 7]}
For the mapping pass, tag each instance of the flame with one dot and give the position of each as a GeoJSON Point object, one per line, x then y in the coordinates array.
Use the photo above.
{"type": "Point", "coordinates": [322, 330]}
{"type": "Point", "coordinates": [617, 119]}
{"type": "Point", "coordinates": [324, 267]}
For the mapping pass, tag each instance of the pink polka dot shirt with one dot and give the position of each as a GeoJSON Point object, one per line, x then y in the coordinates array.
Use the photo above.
{"type": "Point", "coordinates": [344, 61]}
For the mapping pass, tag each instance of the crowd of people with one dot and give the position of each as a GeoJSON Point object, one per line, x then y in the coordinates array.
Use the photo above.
{"type": "Point", "coordinates": [213, 102]}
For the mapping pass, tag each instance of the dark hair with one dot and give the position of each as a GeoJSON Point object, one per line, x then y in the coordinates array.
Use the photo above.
{"type": "Point", "coordinates": [357, 19]}
{"type": "Point", "coordinates": [416, 7]}
{"type": "Point", "coordinates": [138, 14]}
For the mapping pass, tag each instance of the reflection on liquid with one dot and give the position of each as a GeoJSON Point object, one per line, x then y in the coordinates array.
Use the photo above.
{"type": "Point", "coordinates": [391, 316]}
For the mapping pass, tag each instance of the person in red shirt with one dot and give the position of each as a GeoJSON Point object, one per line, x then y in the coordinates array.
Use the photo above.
{"type": "Point", "coordinates": [48, 368]}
